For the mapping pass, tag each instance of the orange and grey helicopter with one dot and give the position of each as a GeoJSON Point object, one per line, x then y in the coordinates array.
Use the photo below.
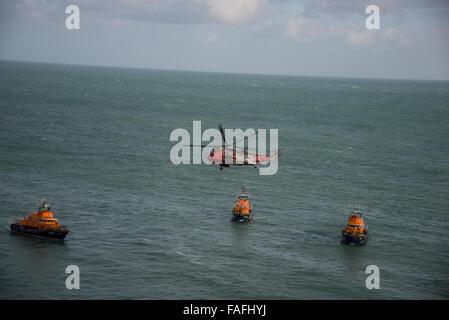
{"type": "Point", "coordinates": [226, 155]}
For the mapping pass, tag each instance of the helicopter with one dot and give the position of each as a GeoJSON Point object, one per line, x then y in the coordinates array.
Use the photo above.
{"type": "Point", "coordinates": [226, 155]}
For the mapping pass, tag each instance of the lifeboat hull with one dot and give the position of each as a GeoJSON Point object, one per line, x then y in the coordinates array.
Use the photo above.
{"type": "Point", "coordinates": [39, 232]}
{"type": "Point", "coordinates": [241, 218]}
{"type": "Point", "coordinates": [354, 239]}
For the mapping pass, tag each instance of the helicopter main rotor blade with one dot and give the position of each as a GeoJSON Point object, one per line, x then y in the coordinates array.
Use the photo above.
{"type": "Point", "coordinates": [227, 147]}
{"type": "Point", "coordinates": [220, 127]}
{"type": "Point", "coordinates": [196, 145]}
{"type": "Point", "coordinates": [245, 151]}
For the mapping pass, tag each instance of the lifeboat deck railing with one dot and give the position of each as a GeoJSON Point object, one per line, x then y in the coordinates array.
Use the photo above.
{"type": "Point", "coordinates": [61, 228]}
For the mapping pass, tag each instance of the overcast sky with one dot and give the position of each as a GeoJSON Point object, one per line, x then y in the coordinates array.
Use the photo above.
{"type": "Point", "coordinates": [308, 37]}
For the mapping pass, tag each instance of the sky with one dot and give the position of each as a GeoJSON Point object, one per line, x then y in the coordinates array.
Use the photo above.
{"type": "Point", "coordinates": [291, 37]}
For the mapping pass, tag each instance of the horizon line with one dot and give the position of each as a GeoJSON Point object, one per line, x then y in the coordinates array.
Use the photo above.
{"type": "Point", "coordinates": [222, 72]}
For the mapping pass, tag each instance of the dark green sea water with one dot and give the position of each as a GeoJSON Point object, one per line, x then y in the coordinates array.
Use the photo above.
{"type": "Point", "coordinates": [95, 143]}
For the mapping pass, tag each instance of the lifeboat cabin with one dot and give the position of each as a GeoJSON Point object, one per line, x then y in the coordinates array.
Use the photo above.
{"type": "Point", "coordinates": [355, 232]}
{"type": "Point", "coordinates": [243, 210]}
{"type": "Point", "coordinates": [41, 223]}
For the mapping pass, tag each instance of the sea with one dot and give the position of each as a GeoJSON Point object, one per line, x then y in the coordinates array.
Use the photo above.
{"type": "Point", "coordinates": [95, 143]}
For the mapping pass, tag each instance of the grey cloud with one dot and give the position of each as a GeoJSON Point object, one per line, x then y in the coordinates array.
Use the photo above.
{"type": "Point", "coordinates": [314, 8]}
{"type": "Point", "coordinates": [161, 11]}
{"type": "Point", "coordinates": [199, 35]}
{"type": "Point", "coordinates": [164, 11]}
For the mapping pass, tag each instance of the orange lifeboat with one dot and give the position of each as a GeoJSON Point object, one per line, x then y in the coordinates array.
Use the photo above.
{"type": "Point", "coordinates": [243, 209]}
{"type": "Point", "coordinates": [41, 223]}
{"type": "Point", "coordinates": [355, 231]}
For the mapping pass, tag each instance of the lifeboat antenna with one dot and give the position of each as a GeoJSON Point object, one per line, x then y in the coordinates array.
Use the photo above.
{"type": "Point", "coordinates": [357, 210]}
